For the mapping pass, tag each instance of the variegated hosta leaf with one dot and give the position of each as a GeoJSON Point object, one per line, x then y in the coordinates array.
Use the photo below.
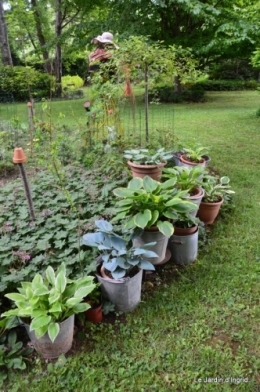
{"type": "Point", "coordinates": [53, 331]}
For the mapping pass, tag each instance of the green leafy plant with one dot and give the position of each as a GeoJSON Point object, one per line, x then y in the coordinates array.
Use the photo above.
{"type": "Point", "coordinates": [146, 203]}
{"type": "Point", "coordinates": [186, 221]}
{"type": "Point", "coordinates": [216, 188]}
{"type": "Point", "coordinates": [117, 254]}
{"type": "Point", "coordinates": [94, 298]}
{"type": "Point", "coordinates": [49, 301]}
{"type": "Point", "coordinates": [12, 352]}
{"type": "Point", "coordinates": [187, 179]}
{"type": "Point", "coordinates": [195, 151]}
{"type": "Point", "coordinates": [143, 156]}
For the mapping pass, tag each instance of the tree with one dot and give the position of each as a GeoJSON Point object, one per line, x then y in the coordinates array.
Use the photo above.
{"type": "Point", "coordinates": [4, 41]}
{"type": "Point", "coordinates": [213, 29]}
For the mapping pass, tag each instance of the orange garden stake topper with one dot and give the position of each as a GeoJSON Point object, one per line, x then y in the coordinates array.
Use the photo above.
{"type": "Point", "coordinates": [20, 158]}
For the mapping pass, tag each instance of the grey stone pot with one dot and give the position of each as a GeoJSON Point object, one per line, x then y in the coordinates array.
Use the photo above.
{"type": "Point", "coordinates": [125, 293]}
{"type": "Point", "coordinates": [61, 344]}
{"type": "Point", "coordinates": [184, 249]}
{"type": "Point", "coordinates": [196, 199]}
{"type": "Point", "coordinates": [159, 248]}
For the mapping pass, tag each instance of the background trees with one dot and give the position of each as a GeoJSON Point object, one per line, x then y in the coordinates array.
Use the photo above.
{"type": "Point", "coordinates": [54, 34]}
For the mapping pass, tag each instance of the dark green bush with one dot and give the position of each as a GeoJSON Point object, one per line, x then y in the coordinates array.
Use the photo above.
{"type": "Point", "coordinates": [23, 81]}
{"type": "Point", "coordinates": [227, 85]}
{"type": "Point", "coordinates": [166, 93]}
{"type": "Point", "coordinates": [235, 69]}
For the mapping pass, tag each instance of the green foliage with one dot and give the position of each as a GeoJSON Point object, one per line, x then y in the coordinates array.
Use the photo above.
{"type": "Point", "coordinates": [146, 202]}
{"type": "Point", "coordinates": [12, 352]}
{"type": "Point", "coordinates": [216, 188]}
{"type": "Point", "coordinates": [25, 81]}
{"type": "Point", "coordinates": [118, 255]}
{"type": "Point", "coordinates": [227, 85]}
{"type": "Point", "coordinates": [28, 247]}
{"type": "Point", "coordinates": [72, 82]}
{"type": "Point", "coordinates": [233, 69]}
{"type": "Point", "coordinates": [195, 151]}
{"type": "Point", "coordinates": [166, 93]}
{"type": "Point", "coordinates": [51, 300]}
{"type": "Point", "coordinates": [143, 156]}
{"type": "Point", "coordinates": [187, 179]}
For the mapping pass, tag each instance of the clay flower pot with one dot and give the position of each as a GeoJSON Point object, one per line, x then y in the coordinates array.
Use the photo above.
{"type": "Point", "coordinates": [181, 231]}
{"type": "Point", "coordinates": [19, 155]}
{"type": "Point", "coordinates": [94, 315]}
{"type": "Point", "coordinates": [208, 212]}
{"type": "Point", "coordinates": [187, 163]}
{"type": "Point", "coordinates": [153, 171]}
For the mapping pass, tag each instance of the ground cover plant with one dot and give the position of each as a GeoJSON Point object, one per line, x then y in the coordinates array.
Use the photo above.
{"type": "Point", "coordinates": [194, 324]}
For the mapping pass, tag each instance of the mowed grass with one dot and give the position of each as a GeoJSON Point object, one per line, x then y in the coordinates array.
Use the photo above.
{"type": "Point", "coordinates": [197, 330]}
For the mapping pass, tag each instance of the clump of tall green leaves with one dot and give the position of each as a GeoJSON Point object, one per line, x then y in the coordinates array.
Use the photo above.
{"type": "Point", "coordinates": [49, 301]}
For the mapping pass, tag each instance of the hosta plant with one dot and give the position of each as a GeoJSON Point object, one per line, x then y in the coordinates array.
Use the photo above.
{"type": "Point", "coordinates": [195, 152]}
{"type": "Point", "coordinates": [143, 156]}
{"type": "Point", "coordinates": [186, 179]}
{"type": "Point", "coordinates": [50, 300]}
{"type": "Point", "coordinates": [146, 203]}
{"type": "Point", "coordinates": [118, 254]}
{"type": "Point", "coordinates": [216, 188]}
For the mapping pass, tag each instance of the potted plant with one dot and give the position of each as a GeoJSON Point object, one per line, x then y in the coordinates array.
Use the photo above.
{"type": "Point", "coordinates": [188, 179]}
{"type": "Point", "coordinates": [143, 162]}
{"type": "Point", "coordinates": [183, 244]}
{"type": "Point", "coordinates": [215, 189]}
{"type": "Point", "coordinates": [94, 299]}
{"type": "Point", "coordinates": [150, 205]}
{"type": "Point", "coordinates": [47, 307]}
{"type": "Point", "coordinates": [121, 265]}
{"type": "Point", "coordinates": [193, 155]}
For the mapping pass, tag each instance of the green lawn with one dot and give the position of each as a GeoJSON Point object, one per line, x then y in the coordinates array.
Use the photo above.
{"type": "Point", "coordinates": [201, 322]}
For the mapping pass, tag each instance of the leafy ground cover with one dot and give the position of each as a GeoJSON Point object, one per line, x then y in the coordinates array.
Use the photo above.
{"type": "Point", "coordinates": [197, 328]}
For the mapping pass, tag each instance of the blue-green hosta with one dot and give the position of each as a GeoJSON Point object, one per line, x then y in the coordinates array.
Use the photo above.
{"type": "Point", "coordinates": [49, 301]}
{"type": "Point", "coordinates": [146, 202]}
{"type": "Point", "coordinates": [118, 255]}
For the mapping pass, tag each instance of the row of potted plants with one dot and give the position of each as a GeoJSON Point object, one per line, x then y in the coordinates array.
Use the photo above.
{"type": "Point", "coordinates": [152, 213]}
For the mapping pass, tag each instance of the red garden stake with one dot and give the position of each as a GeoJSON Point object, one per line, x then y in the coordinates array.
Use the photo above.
{"type": "Point", "coordinates": [19, 158]}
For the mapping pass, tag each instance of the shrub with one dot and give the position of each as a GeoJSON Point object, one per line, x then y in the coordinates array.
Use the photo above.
{"type": "Point", "coordinates": [226, 85]}
{"type": "Point", "coordinates": [21, 81]}
{"type": "Point", "coordinates": [166, 93]}
{"type": "Point", "coordinates": [72, 82]}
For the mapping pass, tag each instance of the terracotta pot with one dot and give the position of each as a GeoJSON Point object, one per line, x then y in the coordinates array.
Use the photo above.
{"type": "Point", "coordinates": [153, 171]}
{"type": "Point", "coordinates": [185, 162]}
{"type": "Point", "coordinates": [94, 315]}
{"type": "Point", "coordinates": [182, 231]}
{"type": "Point", "coordinates": [19, 155]}
{"type": "Point", "coordinates": [208, 212]}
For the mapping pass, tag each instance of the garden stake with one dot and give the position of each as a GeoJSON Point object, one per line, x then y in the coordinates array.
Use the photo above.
{"type": "Point", "coordinates": [19, 158]}
{"type": "Point", "coordinates": [31, 114]}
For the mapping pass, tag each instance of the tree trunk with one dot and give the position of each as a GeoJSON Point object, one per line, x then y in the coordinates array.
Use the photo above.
{"type": "Point", "coordinates": [58, 63]}
{"type": "Point", "coordinates": [4, 42]}
{"type": "Point", "coordinates": [45, 53]}
{"type": "Point", "coordinates": [177, 85]}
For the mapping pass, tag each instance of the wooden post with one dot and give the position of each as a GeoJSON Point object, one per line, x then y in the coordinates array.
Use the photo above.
{"type": "Point", "coordinates": [146, 102]}
{"type": "Point", "coordinates": [31, 114]}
